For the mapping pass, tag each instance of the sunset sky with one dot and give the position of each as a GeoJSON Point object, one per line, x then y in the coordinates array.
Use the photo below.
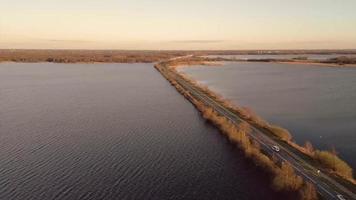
{"type": "Point", "coordinates": [178, 24]}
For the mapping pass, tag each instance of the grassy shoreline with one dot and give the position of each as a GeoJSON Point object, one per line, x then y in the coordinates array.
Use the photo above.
{"type": "Point", "coordinates": [321, 64]}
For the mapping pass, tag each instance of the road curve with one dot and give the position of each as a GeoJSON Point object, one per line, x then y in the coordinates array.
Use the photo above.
{"type": "Point", "coordinates": [327, 187]}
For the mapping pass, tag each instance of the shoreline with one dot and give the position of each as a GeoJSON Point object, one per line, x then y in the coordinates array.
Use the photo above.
{"type": "Point", "coordinates": [320, 64]}
{"type": "Point", "coordinates": [210, 63]}
{"type": "Point", "coordinates": [153, 56]}
{"type": "Point", "coordinates": [291, 62]}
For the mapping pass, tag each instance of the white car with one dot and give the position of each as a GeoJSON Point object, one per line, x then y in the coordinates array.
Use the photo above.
{"type": "Point", "coordinates": [275, 148]}
{"type": "Point", "coordinates": [340, 197]}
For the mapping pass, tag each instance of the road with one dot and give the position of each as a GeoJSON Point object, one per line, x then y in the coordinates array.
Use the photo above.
{"type": "Point", "coordinates": [327, 187]}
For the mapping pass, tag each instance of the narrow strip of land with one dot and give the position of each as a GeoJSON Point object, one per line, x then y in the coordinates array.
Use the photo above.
{"type": "Point", "coordinates": [327, 187]}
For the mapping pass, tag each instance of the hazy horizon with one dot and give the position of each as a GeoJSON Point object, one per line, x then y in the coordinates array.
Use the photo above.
{"type": "Point", "coordinates": [177, 25]}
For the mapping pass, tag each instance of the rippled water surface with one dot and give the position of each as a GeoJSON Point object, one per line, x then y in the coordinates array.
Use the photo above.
{"type": "Point", "coordinates": [111, 131]}
{"type": "Point", "coordinates": [315, 103]}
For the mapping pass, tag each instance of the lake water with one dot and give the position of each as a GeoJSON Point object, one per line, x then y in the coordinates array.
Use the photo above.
{"type": "Point", "coordinates": [315, 103]}
{"type": "Point", "coordinates": [111, 131]}
{"type": "Point", "coordinates": [281, 56]}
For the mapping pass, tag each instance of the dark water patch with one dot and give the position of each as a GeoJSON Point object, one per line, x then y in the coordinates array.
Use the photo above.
{"type": "Point", "coordinates": [112, 131]}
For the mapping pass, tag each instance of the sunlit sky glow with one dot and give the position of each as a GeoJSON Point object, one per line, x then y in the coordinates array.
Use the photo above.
{"type": "Point", "coordinates": [178, 24]}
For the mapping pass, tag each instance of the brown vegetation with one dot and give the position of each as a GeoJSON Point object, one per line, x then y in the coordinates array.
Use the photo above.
{"type": "Point", "coordinates": [86, 56]}
{"type": "Point", "coordinates": [309, 148]}
{"type": "Point", "coordinates": [342, 60]}
{"type": "Point", "coordinates": [332, 161]}
{"type": "Point", "coordinates": [328, 160]}
{"type": "Point", "coordinates": [280, 132]}
{"type": "Point", "coordinates": [286, 179]}
{"type": "Point", "coordinates": [308, 192]}
{"type": "Point", "coordinates": [122, 56]}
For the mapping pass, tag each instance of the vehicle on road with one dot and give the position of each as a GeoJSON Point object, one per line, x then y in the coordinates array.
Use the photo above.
{"type": "Point", "coordinates": [275, 148]}
{"type": "Point", "coordinates": [340, 197]}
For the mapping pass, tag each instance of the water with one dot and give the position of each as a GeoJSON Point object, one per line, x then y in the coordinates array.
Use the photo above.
{"type": "Point", "coordinates": [111, 131]}
{"type": "Point", "coordinates": [315, 103]}
{"type": "Point", "coordinates": [283, 56]}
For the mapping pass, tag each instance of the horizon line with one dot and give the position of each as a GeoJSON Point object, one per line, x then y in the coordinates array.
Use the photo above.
{"type": "Point", "coordinates": [108, 49]}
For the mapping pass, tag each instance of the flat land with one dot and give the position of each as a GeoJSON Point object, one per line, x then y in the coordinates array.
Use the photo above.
{"type": "Point", "coordinates": [124, 56]}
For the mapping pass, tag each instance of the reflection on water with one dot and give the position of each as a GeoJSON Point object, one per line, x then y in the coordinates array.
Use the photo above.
{"type": "Point", "coordinates": [315, 103]}
{"type": "Point", "coordinates": [110, 131]}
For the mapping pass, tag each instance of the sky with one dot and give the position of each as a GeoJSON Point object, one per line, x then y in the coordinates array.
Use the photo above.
{"type": "Point", "coordinates": [178, 24]}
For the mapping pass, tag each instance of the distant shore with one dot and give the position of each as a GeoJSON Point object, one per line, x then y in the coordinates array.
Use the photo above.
{"type": "Point", "coordinates": [85, 56]}
{"type": "Point", "coordinates": [320, 64]}
{"type": "Point", "coordinates": [150, 56]}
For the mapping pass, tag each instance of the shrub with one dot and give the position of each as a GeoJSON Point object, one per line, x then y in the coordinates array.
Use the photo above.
{"type": "Point", "coordinates": [309, 148]}
{"type": "Point", "coordinates": [332, 161]}
{"type": "Point", "coordinates": [286, 179]}
{"type": "Point", "coordinates": [308, 192]}
{"type": "Point", "coordinates": [245, 127]}
{"type": "Point", "coordinates": [342, 60]}
{"type": "Point", "coordinates": [280, 132]}
{"type": "Point", "coordinates": [249, 114]}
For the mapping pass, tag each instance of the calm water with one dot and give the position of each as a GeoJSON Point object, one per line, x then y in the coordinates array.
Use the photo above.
{"type": "Point", "coordinates": [110, 131]}
{"type": "Point", "coordinates": [286, 56]}
{"type": "Point", "coordinates": [315, 103]}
